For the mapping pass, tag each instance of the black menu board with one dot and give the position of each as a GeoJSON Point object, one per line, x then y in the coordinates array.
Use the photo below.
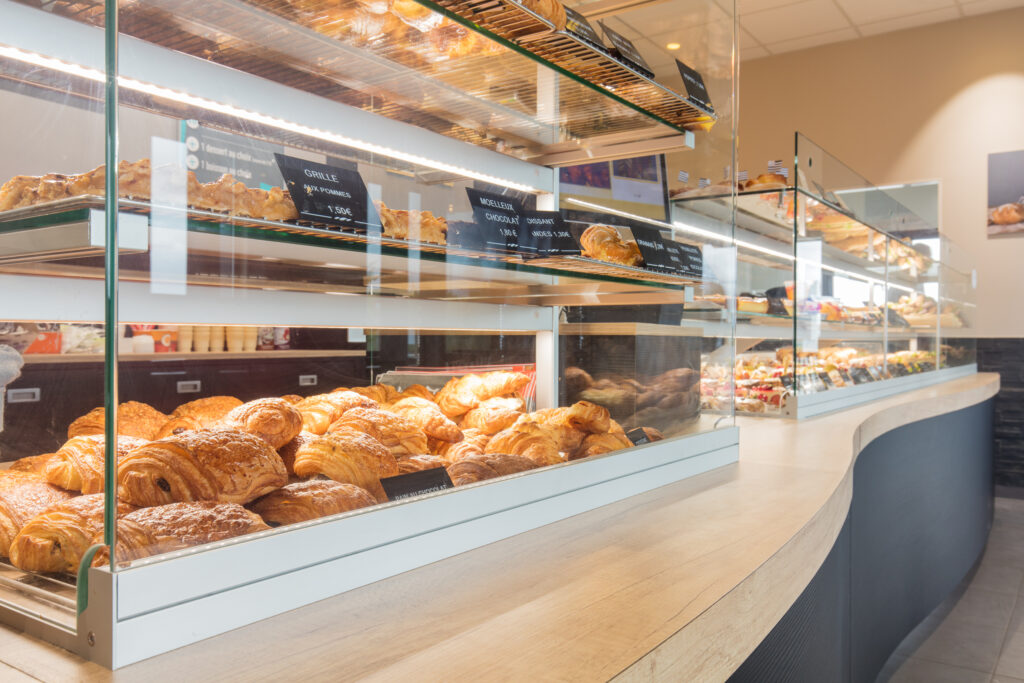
{"type": "Point", "coordinates": [696, 91]}
{"type": "Point", "coordinates": [544, 233]}
{"type": "Point", "coordinates": [626, 51]}
{"type": "Point", "coordinates": [652, 248]}
{"type": "Point", "coordinates": [416, 483]}
{"type": "Point", "coordinates": [686, 258]}
{"type": "Point", "coordinates": [577, 25]}
{"type": "Point", "coordinates": [325, 194]}
{"type": "Point", "coordinates": [497, 220]}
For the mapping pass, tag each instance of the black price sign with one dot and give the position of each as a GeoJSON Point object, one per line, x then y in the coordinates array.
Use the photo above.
{"type": "Point", "coordinates": [416, 483]}
{"type": "Point", "coordinates": [638, 436]}
{"type": "Point", "coordinates": [325, 194]}
{"type": "Point", "coordinates": [577, 24]}
{"type": "Point", "coordinates": [652, 248]}
{"type": "Point", "coordinates": [545, 234]}
{"type": "Point", "coordinates": [497, 219]}
{"type": "Point", "coordinates": [627, 52]}
{"type": "Point", "coordinates": [695, 88]}
{"type": "Point", "coordinates": [687, 259]}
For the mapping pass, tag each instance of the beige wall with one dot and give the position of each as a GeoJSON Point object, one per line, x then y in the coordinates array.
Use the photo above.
{"type": "Point", "coordinates": [923, 104]}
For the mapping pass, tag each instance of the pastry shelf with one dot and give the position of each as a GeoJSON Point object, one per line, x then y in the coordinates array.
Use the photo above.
{"type": "Point", "coordinates": [285, 354]}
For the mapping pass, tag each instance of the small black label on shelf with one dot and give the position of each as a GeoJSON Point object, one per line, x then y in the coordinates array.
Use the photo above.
{"type": "Point", "coordinates": [626, 51]}
{"type": "Point", "coordinates": [638, 436]}
{"type": "Point", "coordinates": [686, 259]}
{"type": "Point", "coordinates": [695, 88]}
{"type": "Point", "coordinates": [652, 248]}
{"type": "Point", "coordinates": [578, 25]}
{"type": "Point", "coordinates": [325, 194]}
{"type": "Point", "coordinates": [545, 234]}
{"type": "Point", "coordinates": [497, 219]}
{"type": "Point", "coordinates": [416, 483]}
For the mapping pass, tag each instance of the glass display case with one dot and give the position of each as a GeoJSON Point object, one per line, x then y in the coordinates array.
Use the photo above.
{"type": "Point", "coordinates": [334, 304]}
{"type": "Point", "coordinates": [842, 294]}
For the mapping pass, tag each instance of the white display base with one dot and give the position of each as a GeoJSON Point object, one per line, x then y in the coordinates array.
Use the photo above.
{"type": "Point", "coordinates": [158, 606]}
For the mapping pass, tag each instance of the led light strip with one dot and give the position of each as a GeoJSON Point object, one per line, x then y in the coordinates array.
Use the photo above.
{"type": "Point", "coordinates": [255, 117]}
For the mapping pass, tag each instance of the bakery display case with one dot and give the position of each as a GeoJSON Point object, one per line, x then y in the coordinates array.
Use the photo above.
{"type": "Point", "coordinates": [843, 294]}
{"type": "Point", "coordinates": [333, 317]}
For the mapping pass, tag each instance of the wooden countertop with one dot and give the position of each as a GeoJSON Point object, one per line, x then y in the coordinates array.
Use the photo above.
{"type": "Point", "coordinates": [680, 583]}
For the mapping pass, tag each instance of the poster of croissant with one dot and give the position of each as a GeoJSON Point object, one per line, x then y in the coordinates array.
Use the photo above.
{"type": "Point", "coordinates": [1006, 194]}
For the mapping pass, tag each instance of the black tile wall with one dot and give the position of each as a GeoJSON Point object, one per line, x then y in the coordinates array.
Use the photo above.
{"type": "Point", "coordinates": [1006, 356]}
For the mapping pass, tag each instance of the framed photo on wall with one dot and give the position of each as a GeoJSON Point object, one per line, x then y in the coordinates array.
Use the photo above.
{"type": "Point", "coordinates": [1006, 194]}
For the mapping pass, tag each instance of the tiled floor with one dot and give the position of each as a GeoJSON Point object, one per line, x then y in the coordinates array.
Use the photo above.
{"type": "Point", "coordinates": [978, 637]}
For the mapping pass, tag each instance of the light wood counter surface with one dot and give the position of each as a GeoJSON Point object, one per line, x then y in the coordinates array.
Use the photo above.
{"type": "Point", "coordinates": [677, 584]}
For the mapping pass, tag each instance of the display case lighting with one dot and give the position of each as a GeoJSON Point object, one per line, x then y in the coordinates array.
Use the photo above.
{"type": "Point", "coordinates": [132, 84]}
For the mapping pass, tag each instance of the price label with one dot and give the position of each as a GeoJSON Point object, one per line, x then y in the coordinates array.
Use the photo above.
{"type": "Point", "coordinates": [577, 24]}
{"type": "Point", "coordinates": [416, 483]}
{"type": "Point", "coordinates": [497, 220]}
{"type": "Point", "coordinates": [696, 91]}
{"type": "Point", "coordinates": [638, 436]}
{"type": "Point", "coordinates": [686, 259]}
{"type": "Point", "coordinates": [626, 51]}
{"type": "Point", "coordinates": [544, 233]}
{"type": "Point", "coordinates": [652, 248]}
{"type": "Point", "coordinates": [325, 194]}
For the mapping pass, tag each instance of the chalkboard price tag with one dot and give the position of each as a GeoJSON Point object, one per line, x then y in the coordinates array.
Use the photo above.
{"type": "Point", "coordinates": [545, 234]}
{"type": "Point", "coordinates": [626, 51]}
{"type": "Point", "coordinates": [416, 483]}
{"type": "Point", "coordinates": [638, 436]}
{"type": "Point", "coordinates": [577, 25]}
{"type": "Point", "coordinates": [696, 91]}
{"type": "Point", "coordinates": [497, 219]}
{"type": "Point", "coordinates": [652, 248]}
{"type": "Point", "coordinates": [686, 259]}
{"type": "Point", "coordinates": [325, 194]}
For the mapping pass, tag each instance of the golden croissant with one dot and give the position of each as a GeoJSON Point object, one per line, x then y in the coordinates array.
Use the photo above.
{"type": "Point", "coordinates": [494, 414]}
{"type": "Point", "coordinates": [133, 419]}
{"type": "Point", "coordinates": [23, 495]}
{"type": "Point", "coordinates": [304, 500]}
{"type": "Point", "coordinates": [381, 393]}
{"type": "Point", "coordinates": [401, 435]}
{"type": "Point", "coordinates": [347, 456]}
{"type": "Point", "coordinates": [417, 463]}
{"type": "Point", "coordinates": [166, 528]}
{"type": "Point", "coordinates": [80, 463]}
{"type": "Point", "coordinates": [546, 423]}
{"type": "Point", "coordinates": [604, 243]}
{"type": "Point", "coordinates": [272, 419]}
{"type": "Point", "coordinates": [56, 539]}
{"type": "Point", "coordinates": [462, 394]}
{"type": "Point", "coordinates": [415, 391]}
{"type": "Point", "coordinates": [32, 463]}
{"type": "Point", "coordinates": [223, 465]}
{"type": "Point", "coordinates": [476, 468]}
{"type": "Point", "coordinates": [537, 445]}
{"type": "Point", "coordinates": [318, 412]}
{"type": "Point", "coordinates": [474, 442]}
{"type": "Point", "coordinates": [202, 413]}
{"type": "Point", "coordinates": [429, 417]}
{"type": "Point", "coordinates": [582, 415]}
{"type": "Point", "coordinates": [287, 451]}
{"type": "Point", "coordinates": [597, 444]}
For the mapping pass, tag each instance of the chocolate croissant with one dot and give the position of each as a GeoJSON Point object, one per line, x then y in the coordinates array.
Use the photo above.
{"type": "Point", "coordinates": [24, 495]}
{"type": "Point", "coordinates": [494, 414]}
{"type": "Point", "coordinates": [304, 500]}
{"type": "Point", "coordinates": [347, 456]}
{"type": "Point", "coordinates": [202, 413]}
{"type": "Point", "coordinates": [536, 444]}
{"type": "Point", "coordinates": [429, 417]}
{"type": "Point", "coordinates": [462, 394]}
{"type": "Point", "coordinates": [474, 442]}
{"type": "Point", "coordinates": [79, 464]}
{"type": "Point", "coordinates": [55, 539]}
{"type": "Point", "coordinates": [417, 463]}
{"type": "Point", "coordinates": [402, 436]}
{"type": "Point", "coordinates": [133, 419]}
{"type": "Point", "coordinates": [318, 412]}
{"type": "Point", "coordinates": [272, 419]}
{"type": "Point", "coordinates": [288, 451]}
{"type": "Point", "coordinates": [476, 468]}
{"type": "Point", "coordinates": [223, 465]}
{"type": "Point", "coordinates": [166, 528]}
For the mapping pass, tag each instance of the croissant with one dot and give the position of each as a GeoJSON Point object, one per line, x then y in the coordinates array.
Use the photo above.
{"type": "Point", "coordinates": [318, 412]}
{"type": "Point", "coordinates": [33, 463]}
{"type": "Point", "coordinates": [223, 465]}
{"type": "Point", "coordinates": [546, 423]}
{"type": "Point", "coordinates": [79, 464]}
{"type": "Point", "coordinates": [133, 419]}
{"type": "Point", "coordinates": [1007, 214]}
{"type": "Point", "coordinates": [24, 495]}
{"type": "Point", "coordinates": [604, 243]}
{"type": "Point", "coordinates": [347, 456]}
{"type": "Point", "coordinates": [494, 414]}
{"type": "Point", "coordinates": [429, 417]}
{"type": "Point", "coordinates": [291, 398]}
{"type": "Point", "coordinates": [476, 468]}
{"type": "Point", "coordinates": [416, 463]}
{"type": "Point", "coordinates": [474, 442]}
{"type": "Point", "coordinates": [415, 391]}
{"type": "Point", "coordinates": [272, 419]}
{"type": "Point", "coordinates": [462, 394]}
{"type": "Point", "coordinates": [287, 451]}
{"type": "Point", "coordinates": [583, 415]}
{"type": "Point", "coordinates": [401, 435]}
{"type": "Point", "coordinates": [537, 445]}
{"type": "Point", "coordinates": [56, 539]}
{"type": "Point", "coordinates": [596, 444]}
{"type": "Point", "coordinates": [381, 393]}
{"type": "Point", "coordinates": [166, 528]}
{"type": "Point", "coordinates": [312, 499]}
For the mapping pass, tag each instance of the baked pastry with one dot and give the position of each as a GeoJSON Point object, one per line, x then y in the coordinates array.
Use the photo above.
{"type": "Point", "coordinates": [347, 456]}
{"type": "Point", "coordinates": [19, 191]}
{"type": "Point", "coordinates": [494, 414]}
{"type": "Point", "coordinates": [381, 393]}
{"type": "Point", "coordinates": [422, 226]}
{"type": "Point", "coordinates": [302, 501]}
{"type": "Point", "coordinates": [604, 243]}
{"type": "Point", "coordinates": [287, 451]}
{"type": "Point", "coordinates": [33, 463]}
{"type": "Point", "coordinates": [55, 539]}
{"type": "Point", "coordinates": [176, 526]}
{"type": "Point", "coordinates": [577, 380]}
{"type": "Point", "coordinates": [582, 415]}
{"type": "Point", "coordinates": [417, 463]}
{"type": "Point", "coordinates": [552, 425]}
{"type": "Point", "coordinates": [399, 434]}
{"type": "Point", "coordinates": [291, 398]}
{"type": "Point", "coordinates": [272, 419]}
{"type": "Point", "coordinates": [278, 206]}
{"type": "Point", "coordinates": [597, 444]}
{"type": "Point", "coordinates": [202, 413]}
{"type": "Point", "coordinates": [429, 417]}
{"type": "Point", "coordinates": [474, 468]}
{"type": "Point", "coordinates": [474, 441]}
{"type": "Point", "coordinates": [133, 419]}
{"type": "Point", "coordinates": [319, 411]}
{"type": "Point", "coordinates": [766, 181]}
{"type": "Point", "coordinates": [415, 391]}
{"type": "Point", "coordinates": [23, 495]}
{"type": "Point", "coordinates": [223, 465]}
{"type": "Point", "coordinates": [536, 444]}
{"type": "Point", "coordinates": [79, 464]}
{"type": "Point", "coordinates": [1007, 214]}
{"type": "Point", "coordinates": [461, 394]}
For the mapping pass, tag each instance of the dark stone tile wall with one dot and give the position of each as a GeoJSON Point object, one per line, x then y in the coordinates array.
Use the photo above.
{"type": "Point", "coordinates": [1006, 356]}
